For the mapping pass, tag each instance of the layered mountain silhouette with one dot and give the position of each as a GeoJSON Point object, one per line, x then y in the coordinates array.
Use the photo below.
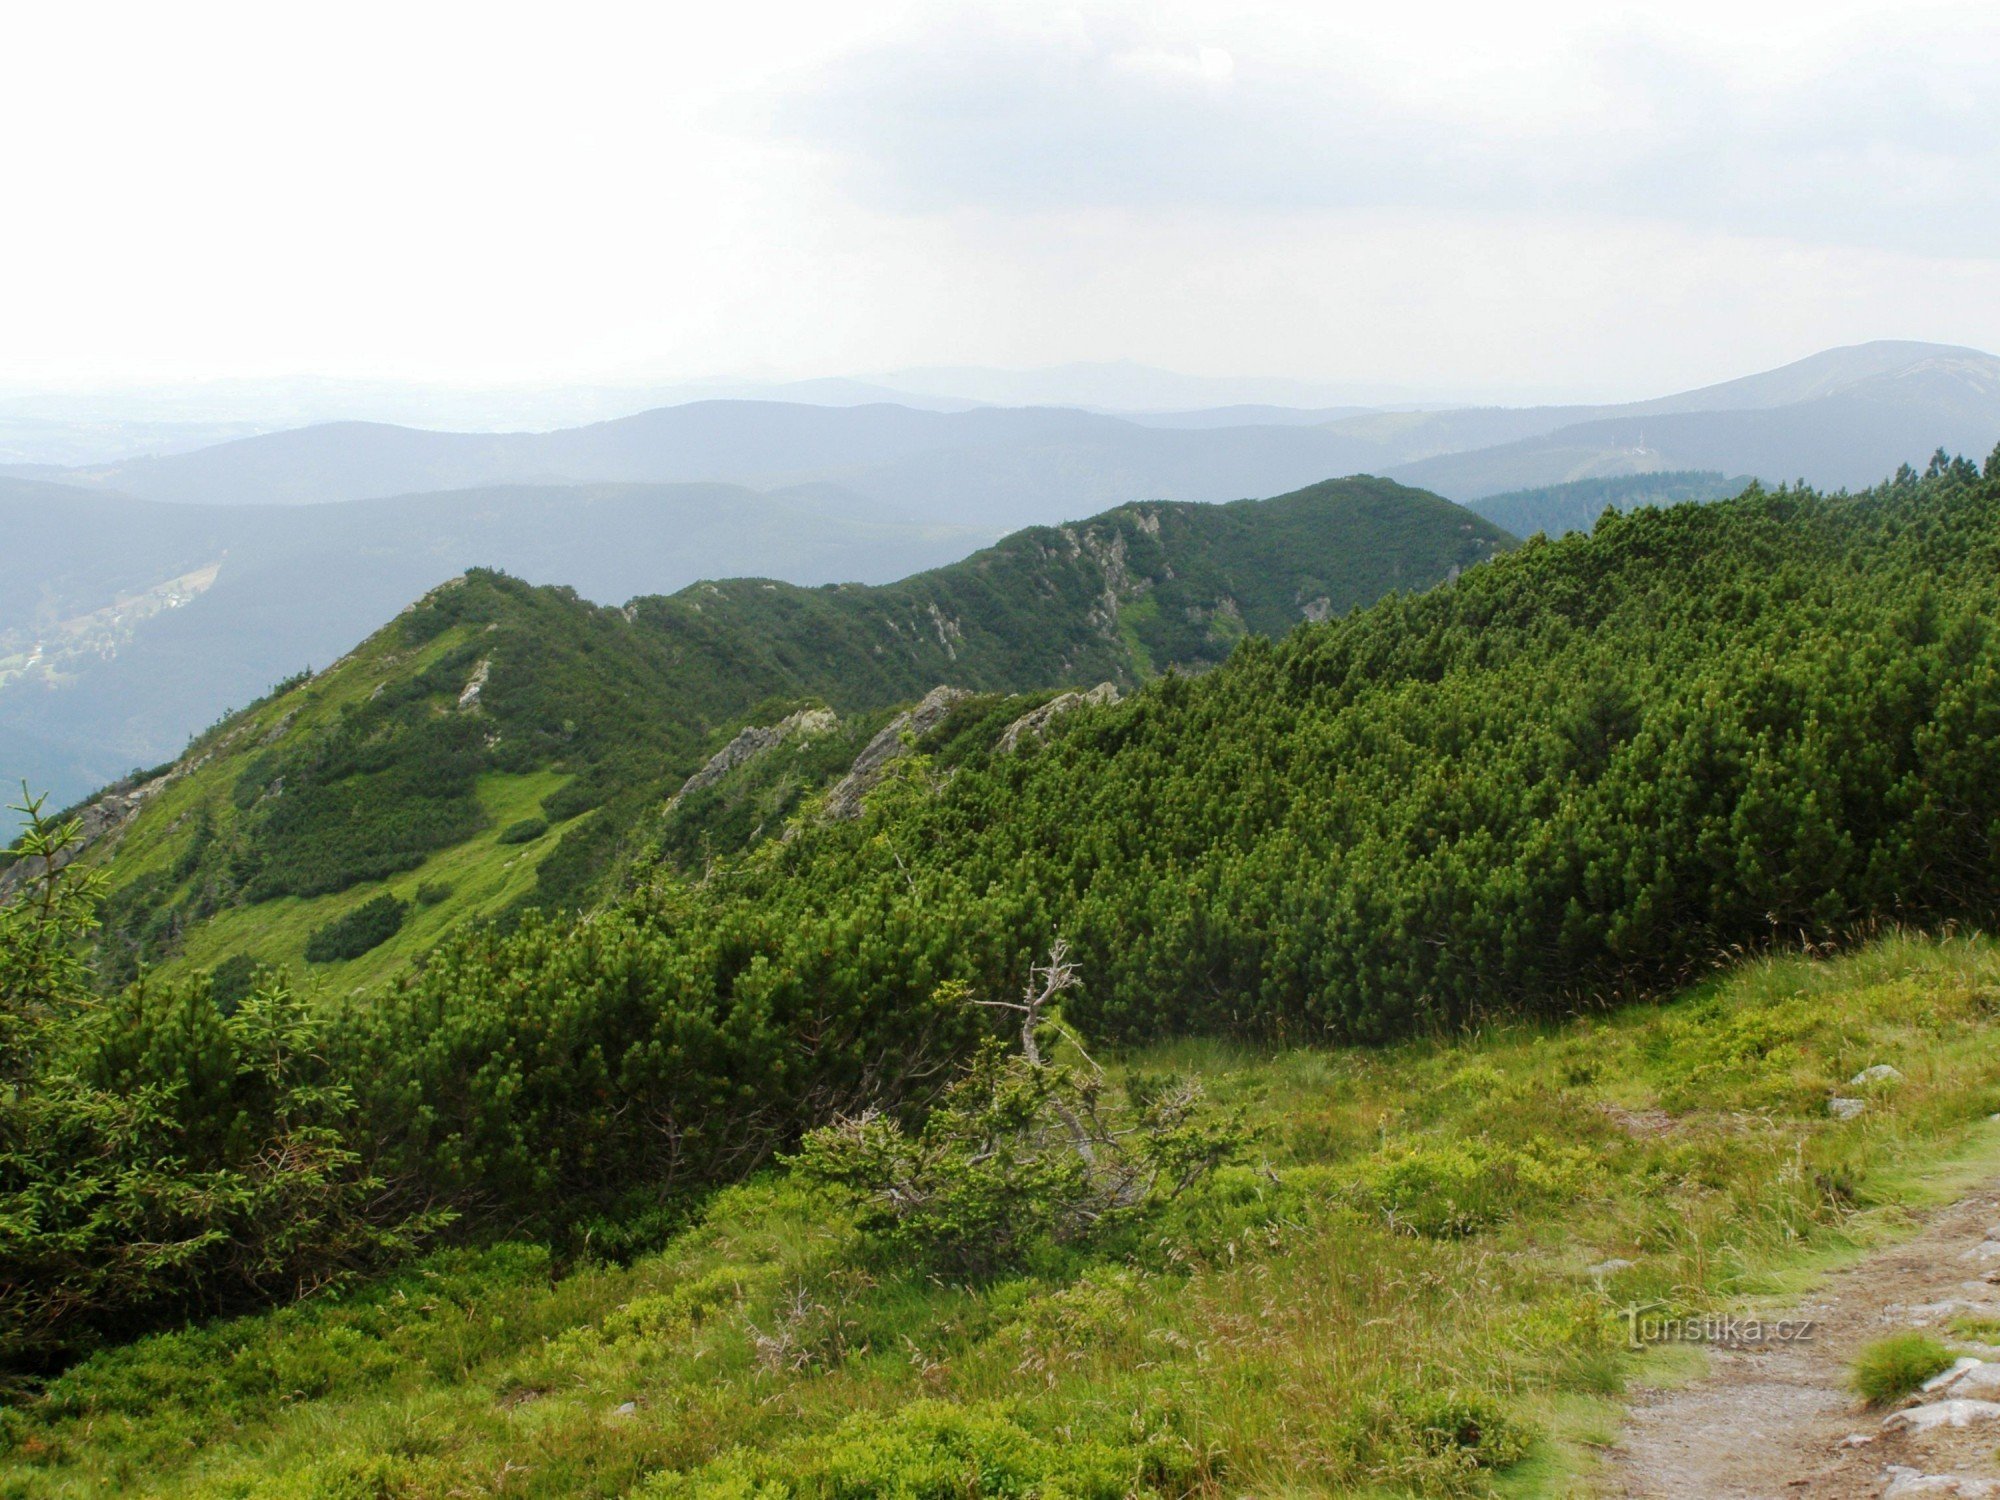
{"type": "Point", "coordinates": [143, 596]}
{"type": "Point", "coordinates": [1843, 419]}
{"type": "Point", "coordinates": [1846, 417]}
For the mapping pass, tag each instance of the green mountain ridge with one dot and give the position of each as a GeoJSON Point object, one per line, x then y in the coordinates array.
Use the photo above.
{"type": "Point", "coordinates": [763, 1186]}
{"type": "Point", "coordinates": [416, 766]}
{"type": "Point", "coordinates": [126, 625]}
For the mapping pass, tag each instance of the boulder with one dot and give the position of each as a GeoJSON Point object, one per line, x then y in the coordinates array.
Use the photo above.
{"type": "Point", "coordinates": [1944, 1378]}
{"type": "Point", "coordinates": [1972, 1378]}
{"type": "Point", "coordinates": [475, 684]}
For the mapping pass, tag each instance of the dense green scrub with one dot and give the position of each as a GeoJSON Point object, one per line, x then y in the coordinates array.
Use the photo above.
{"type": "Point", "coordinates": [1581, 769]}
{"type": "Point", "coordinates": [1584, 769]}
{"type": "Point", "coordinates": [1412, 1286]}
{"type": "Point", "coordinates": [370, 769]}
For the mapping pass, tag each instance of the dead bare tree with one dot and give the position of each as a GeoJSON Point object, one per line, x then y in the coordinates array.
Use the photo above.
{"type": "Point", "coordinates": [1022, 1145]}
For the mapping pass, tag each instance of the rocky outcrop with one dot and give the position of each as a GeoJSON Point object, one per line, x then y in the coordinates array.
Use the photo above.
{"type": "Point", "coordinates": [105, 815]}
{"type": "Point", "coordinates": [1032, 725]}
{"type": "Point", "coordinates": [754, 741]}
{"type": "Point", "coordinates": [474, 684]}
{"type": "Point", "coordinates": [844, 801]}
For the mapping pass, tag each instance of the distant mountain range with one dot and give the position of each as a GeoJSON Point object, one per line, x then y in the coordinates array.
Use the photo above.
{"type": "Point", "coordinates": [144, 594]}
{"type": "Point", "coordinates": [1847, 417]}
{"type": "Point", "coordinates": [1843, 419]}
{"type": "Point", "coordinates": [991, 467]}
{"type": "Point", "coordinates": [73, 427]}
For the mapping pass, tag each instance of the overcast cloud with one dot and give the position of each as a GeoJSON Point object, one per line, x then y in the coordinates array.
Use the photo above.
{"type": "Point", "coordinates": [1546, 198]}
{"type": "Point", "coordinates": [1892, 141]}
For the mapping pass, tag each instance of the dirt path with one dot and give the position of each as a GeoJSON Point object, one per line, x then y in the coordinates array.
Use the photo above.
{"type": "Point", "coordinates": [1775, 1420]}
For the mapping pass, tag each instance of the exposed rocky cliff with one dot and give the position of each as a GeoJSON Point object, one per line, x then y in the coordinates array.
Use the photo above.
{"type": "Point", "coordinates": [845, 800]}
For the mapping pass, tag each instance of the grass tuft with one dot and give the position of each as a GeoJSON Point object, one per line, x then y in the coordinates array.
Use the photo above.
{"type": "Point", "coordinates": [1890, 1368]}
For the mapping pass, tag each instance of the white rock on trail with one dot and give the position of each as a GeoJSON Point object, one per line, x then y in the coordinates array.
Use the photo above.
{"type": "Point", "coordinates": [1969, 1377]}
{"type": "Point", "coordinates": [1945, 1377]}
{"type": "Point", "coordinates": [1933, 1415]}
{"type": "Point", "coordinates": [1923, 1314]}
{"type": "Point", "coordinates": [1906, 1483]}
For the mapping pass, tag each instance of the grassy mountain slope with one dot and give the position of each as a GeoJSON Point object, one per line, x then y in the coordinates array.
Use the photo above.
{"type": "Point", "coordinates": [375, 778]}
{"type": "Point", "coordinates": [1847, 417]}
{"type": "Point", "coordinates": [1463, 823]}
{"type": "Point", "coordinates": [1581, 771]}
{"type": "Point", "coordinates": [1578, 769]}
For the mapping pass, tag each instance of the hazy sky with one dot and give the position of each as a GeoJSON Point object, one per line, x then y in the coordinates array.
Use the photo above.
{"type": "Point", "coordinates": [1538, 198]}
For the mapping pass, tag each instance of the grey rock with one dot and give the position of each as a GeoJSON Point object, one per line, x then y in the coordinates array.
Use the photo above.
{"type": "Point", "coordinates": [1923, 1314]}
{"type": "Point", "coordinates": [1906, 1483]}
{"type": "Point", "coordinates": [1955, 1412]}
{"type": "Point", "coordinates": [1978, 1379]}
{"type": "Point", "coordinates": [105, 816]}
{"type": "Point", "coordinates": [754, 741]}
{"type": "Point", "coordinates": [1880, 1073]}
{"type": "Point", "coordinates": [1944, 1378]}
{"type": "Point", "coordinates": [1845, 1109]}
{"type": "Point", "coordinates": [844, 801]}
{"type": "Point", "coordinates": [1035, 723]}
{"type": "Point", "coordinates": [470, 696]}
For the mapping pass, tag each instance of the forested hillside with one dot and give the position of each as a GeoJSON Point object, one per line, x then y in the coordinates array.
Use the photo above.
{"type": "Point", "coordinates": [492, 747]}
{"type": "Point", "coordinates": [1583, 772]}
{"type": "Point", "coordinates": [1585, 767]}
